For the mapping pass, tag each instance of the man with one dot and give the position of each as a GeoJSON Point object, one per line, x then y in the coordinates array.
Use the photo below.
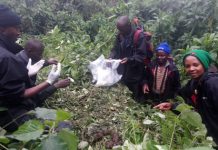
{"type": "Point", "coordinates": [33, 49]}
{"type": "Point", "coordinates": [132, 65]}
{"type": "Point", "coordinates": [15, 89]}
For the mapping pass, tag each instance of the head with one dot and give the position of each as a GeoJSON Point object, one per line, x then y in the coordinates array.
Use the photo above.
{"type": "Point", "coordinates": [34, 49]}
{"type": "Point", "coordinates": [196, 63]}
{"type": "Point", "coordinates": [124, 25]}
{"type": "Point", "coordinates": [162, 52]}
{"type": "Point", "coordinates": [9, 23]}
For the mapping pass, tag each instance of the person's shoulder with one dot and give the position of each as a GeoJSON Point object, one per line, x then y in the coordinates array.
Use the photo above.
{"type": "Point", "coordinates": [5, 53]}
{"type": "Point", "coordinates": [211, 80]}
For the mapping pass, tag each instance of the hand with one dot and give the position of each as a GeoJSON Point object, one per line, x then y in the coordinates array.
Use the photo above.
{"type": "Point", "coordinates": [124, 60]}
{"type": "Point", "coordinates": [62, 83]}
{"type": "Point", "coordinates": [164, 106]}
{"type": "Point", "coordinates": [52, 61]}
{"type": "Point", "coordinates": [34, 69]}
{"type": "Point", "coordinates": [145, 89]}
{"type": "Point", "coordinates": [54, 74]}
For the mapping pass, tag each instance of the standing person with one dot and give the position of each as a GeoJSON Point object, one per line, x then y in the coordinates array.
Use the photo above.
{"type": "Point", "coordinates": [10, 34]}
{"type": "Point", "coordinates": [133, 56]}
{"type": "Point", "coordinates": [15, 89]}
{"type": "Point", "coordinates": [33, 50]}
{"type": "Point", "coordinates": [201, 91]}
{"type": "Point", "coordinates": [162, 80]}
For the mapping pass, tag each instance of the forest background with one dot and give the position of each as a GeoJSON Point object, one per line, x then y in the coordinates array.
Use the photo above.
{"type": "Point", "coordinates": [77, 32]}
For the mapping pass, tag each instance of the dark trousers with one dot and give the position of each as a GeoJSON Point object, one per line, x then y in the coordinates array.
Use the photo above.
{"type": "Point", "coordinates": [12, 118]}
{"type": "Point", "coordinates": [136, 89]}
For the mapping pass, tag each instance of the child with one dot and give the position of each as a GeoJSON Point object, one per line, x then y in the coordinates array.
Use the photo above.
{"type": "Point", "coordinates": [161, 81]}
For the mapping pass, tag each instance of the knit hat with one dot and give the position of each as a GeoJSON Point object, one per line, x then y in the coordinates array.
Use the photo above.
{"type": "Point", "coordinates": [202, 55]}
{"type": "Point", "coordinates": [164, 47]}
{"type": "Point", "coordinates": [7, 17]}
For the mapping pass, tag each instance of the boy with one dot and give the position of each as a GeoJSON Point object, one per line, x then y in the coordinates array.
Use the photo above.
{"type": "Point", "coordinates": [161, 81]}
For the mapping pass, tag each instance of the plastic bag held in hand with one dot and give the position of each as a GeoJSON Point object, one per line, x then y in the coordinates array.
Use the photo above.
{"type": "Point", "coordinates": [104, 71]}
{"type": "Point", "coordinates": [34, 69]}
{"type": "Point", "coordinates": [54, 74]}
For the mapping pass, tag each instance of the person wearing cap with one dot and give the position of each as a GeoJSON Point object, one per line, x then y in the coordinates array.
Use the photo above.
{"type": "Point", "coordinates": [16, 92]}
{"type": "Point", "coordinates": [201, 91]}
{"type": "Point", "coordinates": [161, 80]}
{"type": "Point", "coordinates": [9, 29]}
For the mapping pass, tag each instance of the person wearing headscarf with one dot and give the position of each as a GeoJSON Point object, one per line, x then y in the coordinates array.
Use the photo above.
{"type": "Point", "coordinates": [161, 80]}
{"type": "Point", "coordinates": [201, 91]}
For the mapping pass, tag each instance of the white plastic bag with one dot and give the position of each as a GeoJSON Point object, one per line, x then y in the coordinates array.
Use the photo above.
{"type": "Point", "coordinates": [104, 71]}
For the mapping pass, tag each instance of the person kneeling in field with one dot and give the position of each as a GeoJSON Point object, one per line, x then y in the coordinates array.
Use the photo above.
{"type": "Point", "coordinates": [161, 80]}
{"type": "Point", "coordinates": [201, 91]}
{"type": "Point", "coordinates": [33, 50]}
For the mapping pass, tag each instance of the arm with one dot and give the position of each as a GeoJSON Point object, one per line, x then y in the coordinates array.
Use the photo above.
{"type": "Point", "coordinates": [43, 95]}
{"type": "Point", "coordinates": [35, 90]}
{"type": "Point", "coordinates": [211, 89]}
{"type": "Point", "coordinates": [114, 52]}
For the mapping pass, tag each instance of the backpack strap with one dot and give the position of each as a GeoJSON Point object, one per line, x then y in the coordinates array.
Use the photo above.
{"type": "Point", "coordinates": [136, 37]}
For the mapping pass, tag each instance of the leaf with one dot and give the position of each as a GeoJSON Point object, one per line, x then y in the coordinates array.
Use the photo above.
{"type": "Point", "coordinates": [70, 138]}
{"type": "Point", "coordinates": [183, 107]}
{"type": "Point", "coordinates": [46, 114]}
{"type": "Point", "coordinates": [62, 115]}
{"type": "Point", "coordinates": [31, 130]}
{"type": "Point", "coordinates": [3, 109]}
{"type": "Point", "coordinates": [193, 118]}
{"type": "Point", "coordinates": [4, 140]}
{"type": "Point", "coordinates": [53, 143]}
{"type": "Point", "coordinates": [199, 148]}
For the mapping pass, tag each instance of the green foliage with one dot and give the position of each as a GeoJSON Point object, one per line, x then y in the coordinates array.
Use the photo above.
{"type": "Point", "coordinates": [30, 130]}
{"type": "Point", "coordinates": [76, 32]}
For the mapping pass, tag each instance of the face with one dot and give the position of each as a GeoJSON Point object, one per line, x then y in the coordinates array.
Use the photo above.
{"type": "Point", "coordinates": [124, 29]}
{"type": "Point", "coordinates": [35, 53]}
{"type": "Point", "coordinates": [161, 57]}
{"type": "Point", "coordinates": [12, 32]}
{"type": "Point", "coordinates": [193, 67]}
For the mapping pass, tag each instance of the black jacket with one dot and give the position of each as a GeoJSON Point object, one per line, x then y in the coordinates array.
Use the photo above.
{"type": "Point", "coordinates": [43, 95]}
{"type": "Point", "coordinates": [172, 82]}
{"type": "Point", "coordinates": [10, 45]}
{"type": "Point", "coordinates": [206, 93]}
{"type": "Point", "coordinates": [133, 70]}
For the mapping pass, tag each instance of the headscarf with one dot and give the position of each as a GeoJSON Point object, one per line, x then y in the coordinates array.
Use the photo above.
{"type": "Point", "coordinates": [202, 55]}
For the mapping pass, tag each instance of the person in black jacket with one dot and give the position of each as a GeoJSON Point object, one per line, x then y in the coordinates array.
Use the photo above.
{"type": "Point", "coordinates": [16, 92]}
{"type": "Point", "coordinates": [161, 80]}
{"type": "Point", "coordinates": [201, 91]}
{"type": "Point", "coordinates": [33, 50]}
{"type": "Point", "coordinates": [133, 56]}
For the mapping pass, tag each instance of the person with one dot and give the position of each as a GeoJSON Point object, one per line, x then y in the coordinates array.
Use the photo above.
{"type": "Point", "coordinates": [15, 90]}
{"type": "Point", "coordinates": [132, 56]}
{"type": "Point", "coordinates": [161, 80]}
{"type": "Point", "coordinates": [7, 38]}
{"type": "Point", "coordinates": [33, 50]}
{"type": "Point", "coordinates": [201, 91]}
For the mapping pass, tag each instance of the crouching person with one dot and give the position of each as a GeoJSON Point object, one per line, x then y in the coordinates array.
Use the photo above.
{"type": "Point", "coordinates": [161, 80]}
{"type": "Point", "coordinates": [201, 91]}
{"type": "Point", "coordinates": [16, 91]}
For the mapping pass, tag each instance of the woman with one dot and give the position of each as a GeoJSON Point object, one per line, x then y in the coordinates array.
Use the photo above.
{"type": "Point", "coordinates": [201, 91]}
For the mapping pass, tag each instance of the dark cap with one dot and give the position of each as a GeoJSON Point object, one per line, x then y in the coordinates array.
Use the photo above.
{"type": "Point", "coordinates": [8, 18]}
